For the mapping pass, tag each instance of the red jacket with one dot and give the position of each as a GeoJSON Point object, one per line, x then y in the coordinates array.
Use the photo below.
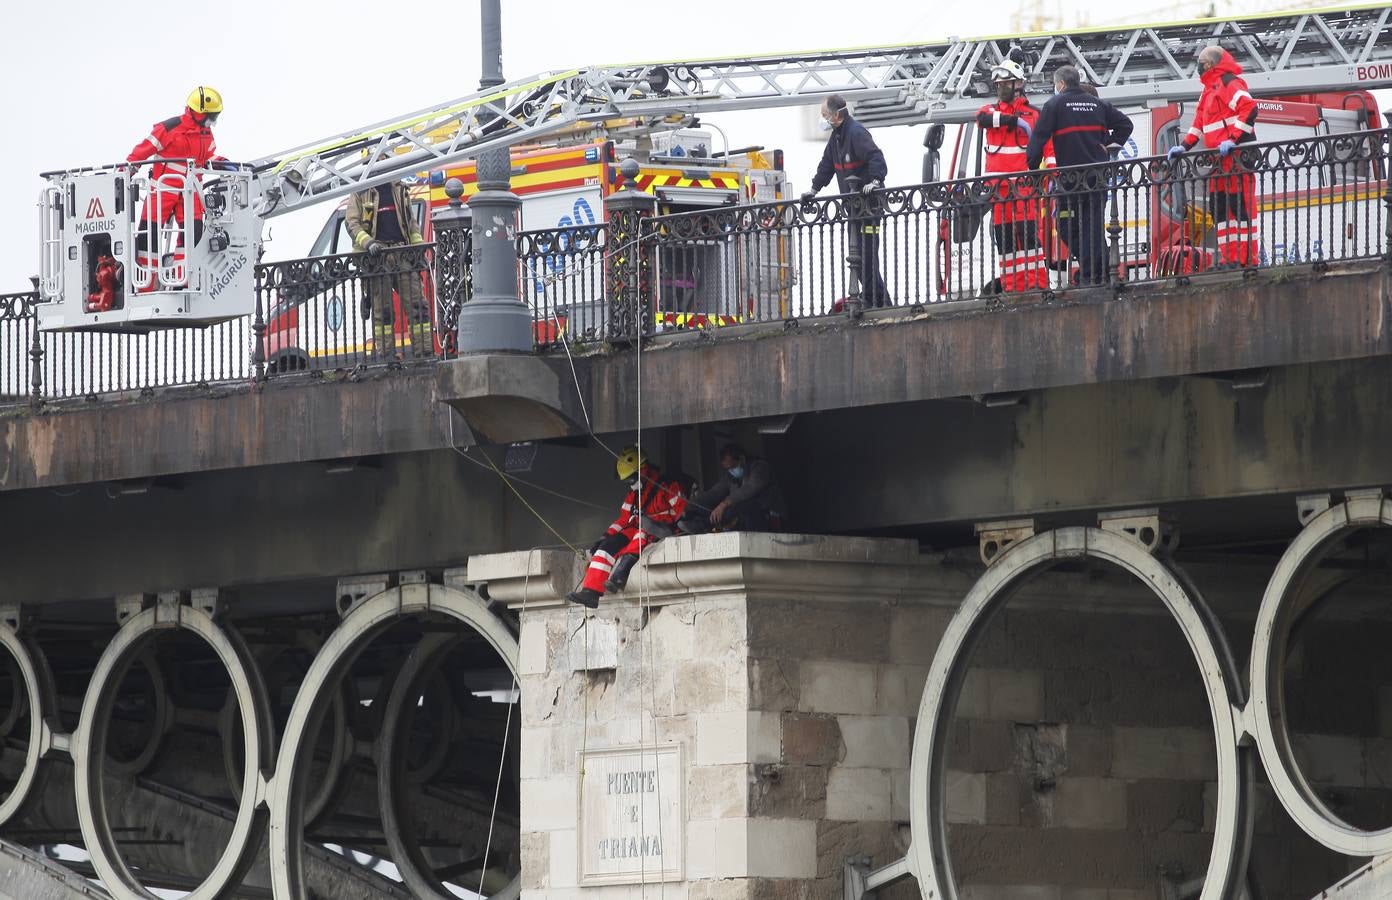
{"type": "Point", "coordinates": [1226, 110]}
{"type": "Point", "coordinates": [182, 137]}
{"type": "Point", "coordinates": [663, 501]}
{"type": "Point", "coordinates": [1004, 140]}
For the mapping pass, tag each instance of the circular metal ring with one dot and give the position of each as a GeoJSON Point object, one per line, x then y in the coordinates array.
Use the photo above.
{"type": "Point", "coordinates": [19, 697]}
{"type": "Point", "coordinates": [328, 790]}
{"type": "Point", "coordinates": [1274, 621]}
{"type": "Point", "coordinates": [928, 855]}
{"type": "Point", "coordinates": [41, 697]}
{"type": "Point", "coordinates": [392, 774]}
{"type": "Point", "coordinates": [89, 743]}
{"type": "Point", "coordinates": [161, 718]}
{"type": "Point", "coordinates": [286, 790]}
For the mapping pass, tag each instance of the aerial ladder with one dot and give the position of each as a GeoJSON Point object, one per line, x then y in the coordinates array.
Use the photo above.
{"type": "Point", "coordinates": [90, 279]}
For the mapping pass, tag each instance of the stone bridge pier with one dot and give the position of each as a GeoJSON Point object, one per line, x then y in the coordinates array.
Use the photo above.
{"type": "Point", "coordinates": [797, 717]}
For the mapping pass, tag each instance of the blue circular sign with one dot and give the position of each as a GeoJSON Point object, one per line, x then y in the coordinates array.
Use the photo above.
{"type": "Point", "coordinates": [333, 313]}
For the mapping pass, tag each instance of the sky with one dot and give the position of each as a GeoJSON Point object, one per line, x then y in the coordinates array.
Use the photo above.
{"type": "Point", "coordinates": [82, 87]}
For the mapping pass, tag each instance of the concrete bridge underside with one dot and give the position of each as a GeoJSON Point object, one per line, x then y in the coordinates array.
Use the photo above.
{"type": "Point", "coordinates": [1217, 404]}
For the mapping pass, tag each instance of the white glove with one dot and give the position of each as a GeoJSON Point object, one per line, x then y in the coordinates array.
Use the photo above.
{"type": "Point", "coordinates": [871, 187]}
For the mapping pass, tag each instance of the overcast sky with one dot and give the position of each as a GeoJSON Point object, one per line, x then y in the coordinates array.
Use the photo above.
{"type": "Point", "coordinates": [80, 87]}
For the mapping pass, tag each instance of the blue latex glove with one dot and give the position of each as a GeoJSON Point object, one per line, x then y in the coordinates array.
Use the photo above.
{"type": "Point", "coordinates": [1226, 147]}
{"type": "Point", "coordinates": [1025, 127]}
{"type": "Point", "coordinates": [1175, 152]}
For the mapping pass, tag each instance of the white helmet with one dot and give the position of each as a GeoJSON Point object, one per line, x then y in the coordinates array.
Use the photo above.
{"type": "Point", "coordinates": [1007, 70]}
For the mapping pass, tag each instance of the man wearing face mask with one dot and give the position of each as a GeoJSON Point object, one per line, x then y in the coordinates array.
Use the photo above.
{"type": "Point", "coordinates": [1006, 126]}
{"type": "Point", "coordinates": [1084, 130]}
{"type": "Point", "coordinates": [1226, 118]}
{"type": "Point", "coordinates": [745, 497]}
{"type": "Point", "coordinates": [851, 153]}
{"type": "Point", "coordinates": [650, 512]}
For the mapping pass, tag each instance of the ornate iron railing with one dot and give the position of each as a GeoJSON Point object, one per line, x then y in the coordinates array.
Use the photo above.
{"type": "Point", "coordinates": [346, 311]}
{"type": "Point", "coordinates": [1321, 201]}
{"type": "Point", "coordinates": [311, 315]}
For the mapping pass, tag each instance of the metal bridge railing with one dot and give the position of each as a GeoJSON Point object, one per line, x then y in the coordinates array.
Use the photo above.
{"type": "Point", "coordinates": [1322, 200]}
{"type": "Point", "coordinates": [347, 311]}
{"type": "Point", "coordinates": [313, 315]}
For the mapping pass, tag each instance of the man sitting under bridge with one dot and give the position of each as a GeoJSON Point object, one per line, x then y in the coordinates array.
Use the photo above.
{"type": "Point", "coordinates": [744, 498]}
{"type": "Point", "coordinates": [650, 512]}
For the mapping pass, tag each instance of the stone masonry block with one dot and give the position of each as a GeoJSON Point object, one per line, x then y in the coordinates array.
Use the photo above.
{"type": "Point", "coordinates": [875, 742]}
{"type": "Point", "coordinates": [717, 792]}
{"type": "Point", "coordinates": [1093, 803]}
{"type": "Point", "coordinates": [774, 684]}
{"type": "Point", "coordinates": [856, 632]}
{"type": "Point", "coordinates": [1015, 695]}
{"type": "Point", "coordinates": [858, 794]}
{"type": "Point", "coordinates": [900, 690]}
{"type": "Point", "coordinates": [565, 866]}
{"type": "Point", "coordinates": [990, 747]}
{"type": "Point", "coordinates": [721, 634]}
{"type": "Point", "coordinates": [782, 848]}
{"type": "Point", "coordinates": [788, 792]}
{"type": "Point", "coordinates": [765, 737]}
{"type": "Point", "coordinates": [549, 803]}
{"type": "Point", "coordinates": [535, 753]}
{"type": "Point", "coordinates": [1003, 799]}
{"type": "Point", "coordinates": [966, 798]}
{"type": "Point", "coordinates": [718, 889]}
{"type": "Point", "coordinates": [1089, 749]}
{"type": "Point", "coordinates": [1330, 760]}
{"type": "Point", "coordinates": [837, 687]}
{"type": "Point", "coordinates": [1183, 754]}
{"type": "Point", "coordinates": [531, 647]}
{"type": "Point", "coordinates": [973, 702]}
{"type": "Point", "coordinates": [1157, 806]}
{"type": "Point", "coordinates": [915, 632]}
{"type": "Point", "coordinates": [810, 739]}
{"type": "Point", "coordinates": [1009, 892]}
{"type": "Point", "coordinates": [722, 738]}
{"type": "Point", "coordinates": [703, 686]}
{"type": "Point", "coordinates": [672, 630]}
{"type": "Point", "coordinates": [536, 859]}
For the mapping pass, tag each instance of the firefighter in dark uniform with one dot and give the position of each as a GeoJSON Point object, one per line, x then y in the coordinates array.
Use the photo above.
{"type": "Point", "coordinates": [1084, 130]}
{"type": "Point", "coordinates": [851, 153]}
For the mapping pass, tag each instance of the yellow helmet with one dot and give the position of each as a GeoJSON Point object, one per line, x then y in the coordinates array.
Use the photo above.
{"type": "Point", "coordinates": [629, 462]}
{"type": "Point", "coordinates": [205, 101]}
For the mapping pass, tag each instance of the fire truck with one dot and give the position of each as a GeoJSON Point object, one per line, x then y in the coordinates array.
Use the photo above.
{"type": "Point", "coordinates": [562, 187]}
{"type": "Point", "coordinates": [1174, 234]}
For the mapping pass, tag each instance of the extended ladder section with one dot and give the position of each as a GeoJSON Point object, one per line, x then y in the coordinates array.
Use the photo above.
{"type": "Point", "coordinates": [896, 85]}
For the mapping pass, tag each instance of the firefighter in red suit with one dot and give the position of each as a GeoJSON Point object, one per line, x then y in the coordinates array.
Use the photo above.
{"type": "Point", "coordinates": [181, 139]}
{"type": "Point", "coordinates": [1006, 127]}
{"type": "Point", "coordinates": [1225, 119]}
{"type": "Point", "coordinates": [647, 515]}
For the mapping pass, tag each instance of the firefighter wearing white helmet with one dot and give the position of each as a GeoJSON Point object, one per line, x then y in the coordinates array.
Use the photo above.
{"type": "Point", "coordinates": [1006, 125]}
{"type": "Point", "coordinates": [650, 511]}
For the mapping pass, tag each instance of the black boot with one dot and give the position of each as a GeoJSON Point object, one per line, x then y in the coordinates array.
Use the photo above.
{"type": "Point", "coordinates": [585, 597]}
{"type": "Point", "coordinates": [619, 577]}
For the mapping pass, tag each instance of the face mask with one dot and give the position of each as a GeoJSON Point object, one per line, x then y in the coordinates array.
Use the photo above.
{"type": "Point", "coordinates": [825, 125]}
{"type": "Point", "coordinates": [1005, 92]}
{"type": "Point", "coordinates": [634, 484]}
{"type": "Point", "coordinates": [736, 472]}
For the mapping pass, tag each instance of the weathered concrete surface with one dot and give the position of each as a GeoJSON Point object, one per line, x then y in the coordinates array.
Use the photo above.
{"type": "Point", "coordinates": [1152, 332]}
{"type": "Point", "coordinates": [26, 875]}
{"type": "Point", "coordinates": [943, 352]}
{"type": "Point", "coordinates": [228, 427]}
